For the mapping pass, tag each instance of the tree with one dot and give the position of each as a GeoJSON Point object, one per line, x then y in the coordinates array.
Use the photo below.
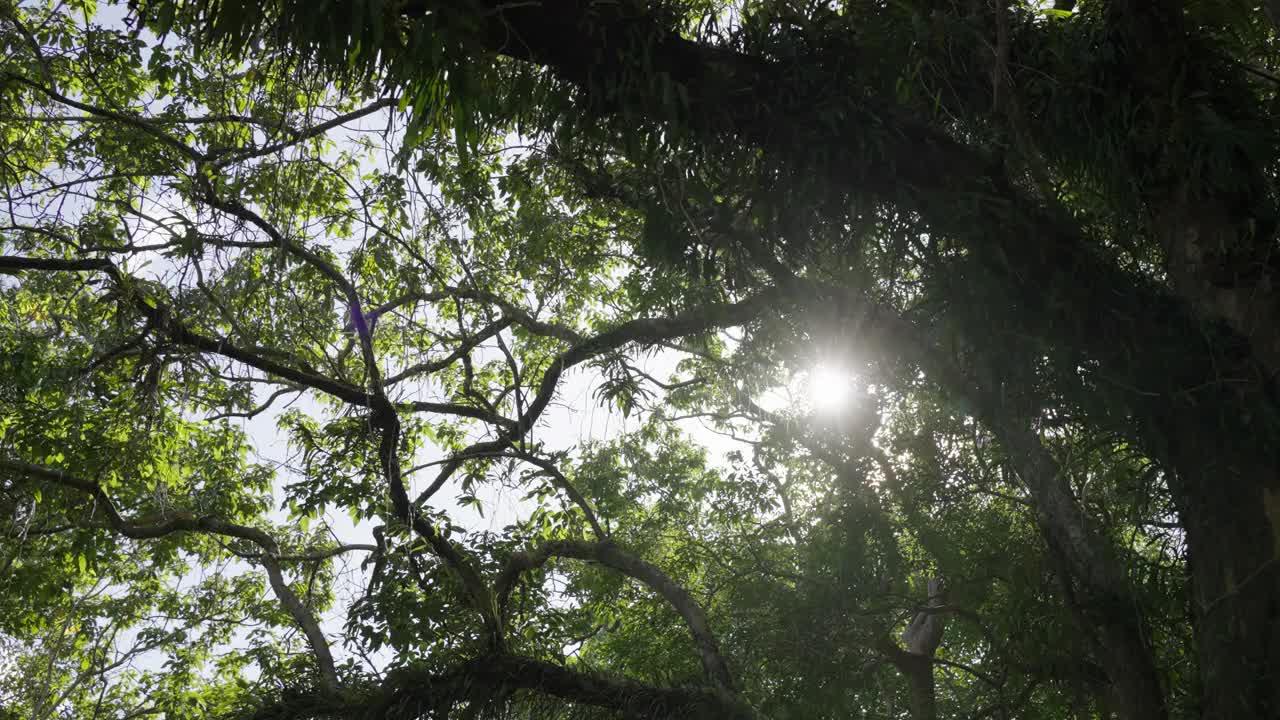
{"type": "Point", "coordinates": [1044, 236]}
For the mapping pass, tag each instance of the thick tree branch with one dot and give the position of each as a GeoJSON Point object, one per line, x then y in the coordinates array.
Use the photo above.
{"type": "Point", "coordinates": [486, 682]}
{"type": "Point", "coordinates": [16, 263]}
{"type": "Point", "coordinates": [629, 698]}
{"type": "Point", "coordinates": [477, 591]}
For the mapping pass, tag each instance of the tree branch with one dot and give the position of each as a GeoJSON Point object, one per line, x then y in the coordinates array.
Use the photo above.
{"type": "Point", "coordinates": [188, 522]}
{"type": "Point", "coordinates": [610, 555]}
{"type": "Point", "coordinates": [559, 480]}
{"type": "Point", "coordinates": [133, 121]}
{"type": "Point", "coordinates": [311, 132]}
{"type": "Point", "coordinates": [649, 330]}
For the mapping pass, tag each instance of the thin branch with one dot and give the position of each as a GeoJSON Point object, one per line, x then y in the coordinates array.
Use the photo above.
{"type": "Point", "coordinates": [254, 412]}
{"type": "Point", "coordinates": [319, 555]}
{"type": "Point", "coordinates": [189, 522]}
{"type": "Point", "coordinates": [642, 330]}
{"type": "Point", "coordinates": [311, 132]}
{"type": "Point", "coordinates": [133, 121]}
{"type": "Point", "coordinates": [467, 345]}
{"type": "Point", "coordinates": [560, 481]}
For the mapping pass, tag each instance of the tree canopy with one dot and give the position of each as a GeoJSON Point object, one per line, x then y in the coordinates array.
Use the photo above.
{"type": "Point", "coordinates": [929, 350]}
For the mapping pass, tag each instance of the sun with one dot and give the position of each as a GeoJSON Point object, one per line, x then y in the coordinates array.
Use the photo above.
{"type": "Point", "coordinates": [830, 387]}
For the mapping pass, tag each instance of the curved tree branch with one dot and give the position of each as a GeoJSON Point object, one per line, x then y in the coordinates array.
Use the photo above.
{"type": "Point", "coordinates": [610, 555]}
{"type": "Point", "coordinates": [488, 681]}
{"type": "Point", "coordinates": [560, 481]}
{"type": "Point", "coordinates": [189, 522]}
{"type": "Point", "coordinates": [630, 698]}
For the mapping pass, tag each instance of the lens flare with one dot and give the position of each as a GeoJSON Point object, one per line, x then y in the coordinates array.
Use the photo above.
{"type": "Point", "coordinates": [830, 387]}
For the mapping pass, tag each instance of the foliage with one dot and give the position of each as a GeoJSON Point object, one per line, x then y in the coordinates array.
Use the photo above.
{"type": "Point", "coordinates": [298, 305]}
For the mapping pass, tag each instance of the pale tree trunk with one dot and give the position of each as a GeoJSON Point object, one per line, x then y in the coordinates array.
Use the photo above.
{"type": "Point", "coordinates": [924, 696]}
{"type": "Point", "coordinates": [914, 659]}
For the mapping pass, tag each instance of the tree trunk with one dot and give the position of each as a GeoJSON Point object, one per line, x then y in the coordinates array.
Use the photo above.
{"type": "Point", "coordinates": [1219, 238]}
{"type": "Point", "coordinates": [924, 697]}
{"type": "Point", "coordinates": [1231, 511]}
{"type": "Point", "coordinates": [1226, 266]}
{"type": "Point", "coordinates": [921, 640]}
{"type": "Point", "coordinates": [918, 672]}
{"type": "Point", "coordinates": [1221, 446]}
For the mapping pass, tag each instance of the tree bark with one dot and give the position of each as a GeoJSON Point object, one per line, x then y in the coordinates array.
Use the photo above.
{"type": "Point", "coordinates": [922, 688]}
{"type": "Point", "coordinates": [1220, 251]}
{"type": "Point", "coordinates": [918, 672]}
{"type": "Point", "coordinates": [921, 640]}
{"type": "Point", "coordinates": [1231, 512]}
